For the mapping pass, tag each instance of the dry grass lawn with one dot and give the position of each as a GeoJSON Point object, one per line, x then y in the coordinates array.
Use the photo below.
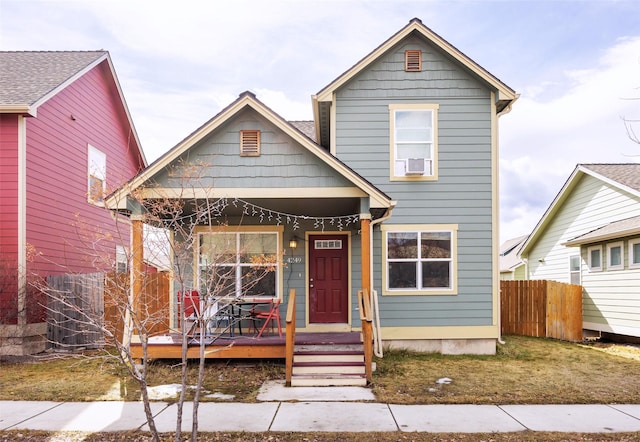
{"type": "Point", "coordinates": [525, 370]}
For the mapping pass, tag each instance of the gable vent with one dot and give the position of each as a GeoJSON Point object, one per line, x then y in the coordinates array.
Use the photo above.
{"type": "Point", "coordinates": [249, 143]}
{"type": "Point", "coordinates": [413, 60]}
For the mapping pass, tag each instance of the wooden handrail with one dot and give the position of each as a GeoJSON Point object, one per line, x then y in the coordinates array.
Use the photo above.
{"type": "Point", "coordinates": [365, 305]}
{"type": "Point", "coordinates": [290, 336]}
{"type": "Point", "coordinates": [364, 300]}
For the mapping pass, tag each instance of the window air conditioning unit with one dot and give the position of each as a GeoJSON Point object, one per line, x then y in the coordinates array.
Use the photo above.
{"type": "Point", "coordinates": [415, 166]}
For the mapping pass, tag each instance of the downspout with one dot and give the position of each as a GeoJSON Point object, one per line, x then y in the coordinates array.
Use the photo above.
{"type": "Point", "coordinates": [377, 339]}
{"type": "Point", "coordinates": [504, 111]}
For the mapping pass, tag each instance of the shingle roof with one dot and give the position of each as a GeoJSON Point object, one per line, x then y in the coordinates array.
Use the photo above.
{"type": "Point", "coordinates": [616, 229]}
{"type": "Point", "coordinates": [509, 258]}
{"type": "Point", "coordinates": [625, 174]}
{"type": "Point", "coordinates": [307, 127]}
{"type": "Point", "coordinates": [26, 77]}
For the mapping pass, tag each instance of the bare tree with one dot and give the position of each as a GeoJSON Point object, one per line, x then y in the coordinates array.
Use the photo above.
{"type": "Point", "coordinates": [630, 123]}
{"type": "Point", "coordinates": [227, 268]}
{"type": "Point", "coordinates": [230, 264]}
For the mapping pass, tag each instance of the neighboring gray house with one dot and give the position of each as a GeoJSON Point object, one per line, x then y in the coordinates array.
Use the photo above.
{"type": "Point", "coordinates": [590, 235]}
{"type": "Point", "coordinates": [397, 190]}
{"type": "Point", "coordinates": [511, 266]}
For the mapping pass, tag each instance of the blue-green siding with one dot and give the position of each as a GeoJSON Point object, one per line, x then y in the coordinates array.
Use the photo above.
{"type": "Point", "coordinates": [463, 192]}
{"type": "Point", "coordinates": [282, 163]}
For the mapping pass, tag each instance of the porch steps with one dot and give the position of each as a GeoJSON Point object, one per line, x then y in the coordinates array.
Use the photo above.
{"type": "Point", "coordinates": [328, 364]}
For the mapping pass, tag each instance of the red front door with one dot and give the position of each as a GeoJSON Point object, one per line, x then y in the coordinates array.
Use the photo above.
{"type": "Point", "coordinates": [328, 279]}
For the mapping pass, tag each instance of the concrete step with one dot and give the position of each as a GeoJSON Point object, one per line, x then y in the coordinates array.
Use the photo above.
{"type": "Point", "coordinates": [314, 368]}
{"type": "Point", "coordinates": [326, 357]}
{"type": "Point", "coordinates": [329, 380]}
{"type": "Point", "coordinates": [328, 347]}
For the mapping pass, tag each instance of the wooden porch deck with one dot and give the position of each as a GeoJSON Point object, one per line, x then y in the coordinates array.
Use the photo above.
{"type": "Point", "coordinates": [237, 347]}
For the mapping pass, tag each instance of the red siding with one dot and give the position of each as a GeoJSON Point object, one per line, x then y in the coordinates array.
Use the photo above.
{"type": "Point", "coordinates": [68, 233]}
{"type": "Point", "coordinates": [8, 217]}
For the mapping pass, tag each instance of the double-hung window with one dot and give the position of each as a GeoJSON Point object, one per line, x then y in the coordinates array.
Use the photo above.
{"type": "Point", "coordinates": [615, 258]}
{"type": "Point", "coordinates": [97, 175]}
{"type": "Point", "coordinates": [634, 253]}
{"type": "Point", "coordinates": [235, 264]}
{"type": "Point", "coordinates": [414, 152]}
{"type": "Point", "coordinates": [574, 269]}
{"type": "Point", "coordinates": [420, 261]}
{"type": "Point", "coordinates": [594, 258]}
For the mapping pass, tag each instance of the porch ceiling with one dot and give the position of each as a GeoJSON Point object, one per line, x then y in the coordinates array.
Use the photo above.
{"type": "Point", "coordinates": [300, 207]}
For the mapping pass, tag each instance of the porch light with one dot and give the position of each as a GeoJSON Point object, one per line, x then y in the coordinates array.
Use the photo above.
{"type": "Point", "coordinates": [293, 243]}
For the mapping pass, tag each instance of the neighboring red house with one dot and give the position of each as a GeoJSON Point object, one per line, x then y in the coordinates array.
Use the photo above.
{"type": "Point", "coordinates": [66, 140]}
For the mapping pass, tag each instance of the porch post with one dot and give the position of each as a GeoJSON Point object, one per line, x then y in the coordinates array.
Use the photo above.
{"type": "Point", "coordinates": [136, 275]}
{"type": "Point", "coordinates": [137, 261]}
{"type": "Point", "coordinates": [367, 331]}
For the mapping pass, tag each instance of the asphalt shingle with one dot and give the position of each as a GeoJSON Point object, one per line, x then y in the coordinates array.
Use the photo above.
{"type": "Point", "coordinates": [26, 76]}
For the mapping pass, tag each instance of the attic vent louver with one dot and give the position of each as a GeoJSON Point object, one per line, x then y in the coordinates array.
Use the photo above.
{"type": "Point", "coordinates": [249, 143]}
{"type": "Point", "coordinates": [413, 60]}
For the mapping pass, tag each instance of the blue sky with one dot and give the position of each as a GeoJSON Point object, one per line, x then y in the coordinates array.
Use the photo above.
{"type": "Point", "coordinates": [576, 65]}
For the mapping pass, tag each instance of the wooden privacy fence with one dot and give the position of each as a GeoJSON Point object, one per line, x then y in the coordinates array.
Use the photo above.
{"type": "Point", "coordinates": [541, 308]}
{"type": "Point", "coordinates": [80, 307]}
{"type": "Point", "coordinates": [75, 310]}
{"type": "Point", "coordinates": [152, 311]}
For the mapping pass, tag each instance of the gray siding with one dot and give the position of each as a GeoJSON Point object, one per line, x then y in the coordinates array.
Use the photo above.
{"type": "Point", "coordinates": [283, 163]}
{"type": "Point", "coordinates": [462, 194]}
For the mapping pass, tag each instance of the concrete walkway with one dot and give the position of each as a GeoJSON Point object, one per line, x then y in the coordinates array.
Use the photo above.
{"type": "Point", "coordinates": [318, 410]}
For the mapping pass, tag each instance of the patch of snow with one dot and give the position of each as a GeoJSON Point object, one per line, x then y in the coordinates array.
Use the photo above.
{"type": "Point", "coordinates": [221, 396]}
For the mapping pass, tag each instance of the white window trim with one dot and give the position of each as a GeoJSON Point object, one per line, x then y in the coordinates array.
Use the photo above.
{"type": "Point", "coordinates": [242, 229]}
{"type": "Point", "coordinates": [591, 267]}
{"type": "Point", "coordinates": [452, 228]}
{"type": "Point", "coordinates": [122, 257]}
{"type": "Point", "coordinates": [92, 154]}
{"type": "Point", "coordinates": [392, 149]}
{"type": "Point", "coordinates": [633, 265]}
{"type": "Point", "coordinates": [611, 246]}
{"type": "Point", "coordinates": [579, 271]}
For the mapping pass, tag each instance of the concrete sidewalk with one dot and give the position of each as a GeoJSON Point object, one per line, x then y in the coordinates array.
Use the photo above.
{"type": "Point", "coordinates": [321, 416]}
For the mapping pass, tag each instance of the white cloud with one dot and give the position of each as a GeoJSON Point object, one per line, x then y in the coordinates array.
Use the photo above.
{"type": "Point", "coordinates": [550, 131]}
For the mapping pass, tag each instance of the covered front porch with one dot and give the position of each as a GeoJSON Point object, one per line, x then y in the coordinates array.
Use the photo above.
{"type": "Point", "coordinates": [256, 210]}
{"type": "Point", "coordinates": [312, 358]}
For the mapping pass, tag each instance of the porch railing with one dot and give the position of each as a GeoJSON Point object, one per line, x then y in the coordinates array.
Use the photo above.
{"type": "Point", "coordinates": [366, 319]}
{"type": "Point", "coordinates": [290, 336]}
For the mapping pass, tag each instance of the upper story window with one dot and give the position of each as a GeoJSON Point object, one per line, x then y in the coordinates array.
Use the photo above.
{"type": "Point", "coordinates": [97, 175]}
{"type": "Point", "coordinates": [594, 258]}
{"type": "Point", "coordinates": [250, 143]}
{"type": "Point", "coordinates": [420, 259]}
{"type": "Point", "coordinates": [614, 256]}
{"type": "Point", "coordinates": [122, 261]}
{"type": "Point", "coordinates": [634, 253]}
{"type": "Point", "coordinates": [413, 60]}
{"type": "Point", "coordinates": [413, 136]}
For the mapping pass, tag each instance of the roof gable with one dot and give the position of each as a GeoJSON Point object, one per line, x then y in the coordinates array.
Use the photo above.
{"type": "Point", "coordinates": [625, 177]}
{"type": "Point", "coordinates": [322, 101]}
{"type": "Point", "coordinates": [244, 101]}
{"type": "Point", "coordinates": [415, 26]}
{"type": "Point", "coordinates": [29, 78]}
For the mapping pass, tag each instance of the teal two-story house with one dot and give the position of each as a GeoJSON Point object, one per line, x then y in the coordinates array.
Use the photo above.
{"type": "Point", "coordinates": [393, 188]}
